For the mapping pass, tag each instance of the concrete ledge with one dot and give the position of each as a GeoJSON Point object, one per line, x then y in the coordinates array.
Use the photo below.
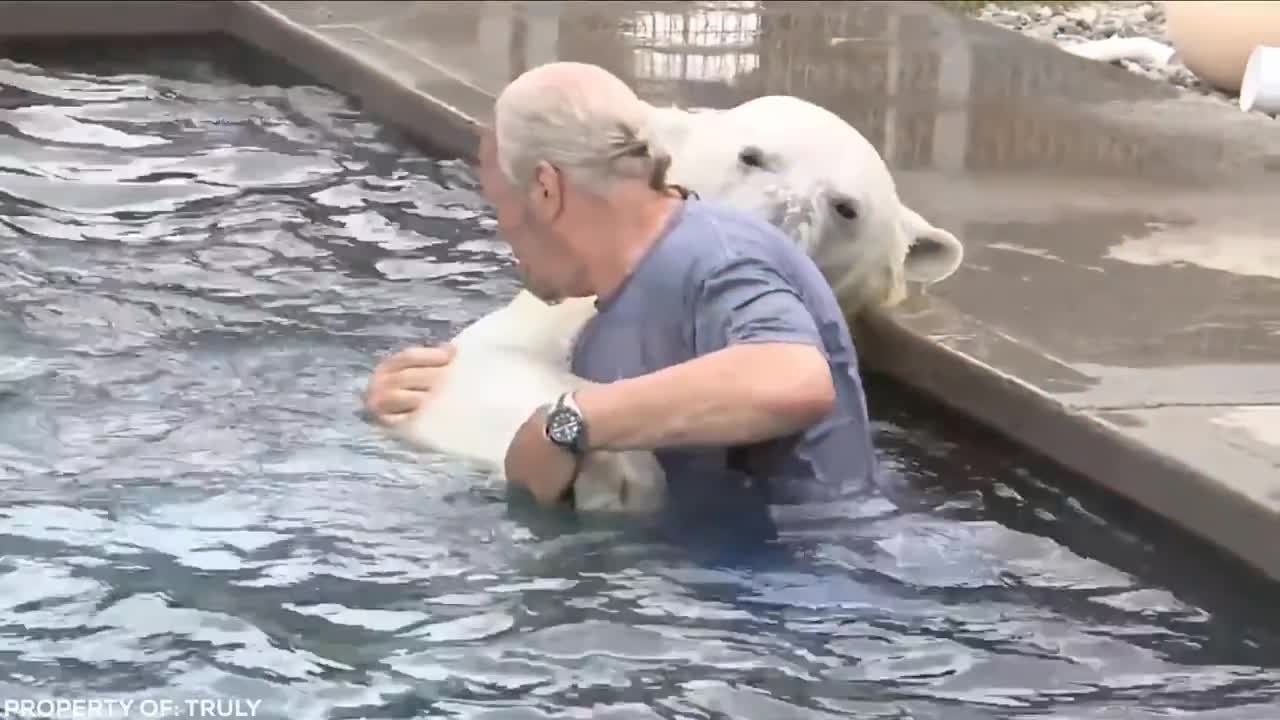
{"type": "Point", "coordinates": [411, 65]}
{"type": "Point", "coordinates": [1092, 444]}
{"type": "Point", "coordinates": [388, 83]}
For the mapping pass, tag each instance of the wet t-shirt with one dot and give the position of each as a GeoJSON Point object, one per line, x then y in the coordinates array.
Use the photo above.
{"type": "Point", "coordinates": [714, 278]}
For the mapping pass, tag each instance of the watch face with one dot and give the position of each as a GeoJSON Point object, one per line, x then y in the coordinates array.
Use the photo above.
{"type": "Point", "coordinates": [563, 426]}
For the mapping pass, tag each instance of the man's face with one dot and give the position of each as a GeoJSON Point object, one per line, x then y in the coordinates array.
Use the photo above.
{"type": "Point", "coordinates": [540, 256]}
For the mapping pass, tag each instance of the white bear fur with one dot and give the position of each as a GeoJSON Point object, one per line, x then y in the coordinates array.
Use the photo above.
{"type": "Point", "coordinates": [517, 358]}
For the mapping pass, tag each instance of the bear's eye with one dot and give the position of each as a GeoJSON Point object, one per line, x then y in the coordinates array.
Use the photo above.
{"type": "Point", "coordinates": [846, 210]}
{"type": "Point", "coordinates": [751, 156]}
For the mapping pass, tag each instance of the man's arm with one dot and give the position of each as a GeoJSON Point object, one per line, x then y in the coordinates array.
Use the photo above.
{"type": "Point", "coordinates": [761, 373]}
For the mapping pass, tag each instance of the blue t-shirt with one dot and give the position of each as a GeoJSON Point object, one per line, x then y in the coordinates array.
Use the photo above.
{"type": "Point", "coordinates": [714, 278]}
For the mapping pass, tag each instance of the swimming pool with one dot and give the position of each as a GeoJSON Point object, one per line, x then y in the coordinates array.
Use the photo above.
{"type": "Point", "coordinates": [196, 274]}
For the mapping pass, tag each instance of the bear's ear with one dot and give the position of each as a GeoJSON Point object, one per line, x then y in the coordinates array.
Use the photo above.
{"type": "Point", "coordinates": [933, 254]}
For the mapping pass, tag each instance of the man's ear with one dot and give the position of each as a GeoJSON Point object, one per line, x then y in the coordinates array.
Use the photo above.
{"type": "Point", "coordinates": [547, 192]}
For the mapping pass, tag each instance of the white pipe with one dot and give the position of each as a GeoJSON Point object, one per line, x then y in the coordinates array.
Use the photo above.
{"type": "Point", "coordinates": [1260, 88]}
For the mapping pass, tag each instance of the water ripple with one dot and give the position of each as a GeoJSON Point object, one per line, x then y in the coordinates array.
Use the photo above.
{"type": "Point", "coordinates": [196, 274]}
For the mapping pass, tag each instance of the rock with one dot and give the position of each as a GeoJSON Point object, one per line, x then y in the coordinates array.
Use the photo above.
{"type": "Point", "coordinates": [1086, 16]}
{"type": "Point", "coordinates": [1098, 21]}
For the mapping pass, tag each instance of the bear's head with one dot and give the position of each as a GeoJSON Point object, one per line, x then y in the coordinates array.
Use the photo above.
{"type": "Point", "coordinates": [816, 177]}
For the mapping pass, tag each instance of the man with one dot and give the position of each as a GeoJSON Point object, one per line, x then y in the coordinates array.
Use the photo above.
{"type": "Point", "coordinates": [718, 343]}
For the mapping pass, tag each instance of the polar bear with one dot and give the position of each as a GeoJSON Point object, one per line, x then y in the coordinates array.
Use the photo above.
{"type": "Point", "coordinates": [790, 161]}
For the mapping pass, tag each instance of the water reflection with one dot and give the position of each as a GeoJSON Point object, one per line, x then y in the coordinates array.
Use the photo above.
{"type": "Point", "coordinates": [716, 45]}
{"type": "Point", "coordinates": [192, 504]}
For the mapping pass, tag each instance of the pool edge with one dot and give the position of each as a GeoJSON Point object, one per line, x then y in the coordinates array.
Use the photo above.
{"type": "Point", "coordinates": [1080, 440]}
{"type": "Point", "coordinates": [429, 119]}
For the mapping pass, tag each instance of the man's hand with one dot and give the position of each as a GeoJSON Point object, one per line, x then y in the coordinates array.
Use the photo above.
{"type": "Point", "coordinates": [536, 463]}
{"type": "Point", "coordinates": [402, 381]}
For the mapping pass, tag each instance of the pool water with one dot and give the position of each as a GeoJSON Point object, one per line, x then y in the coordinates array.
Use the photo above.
{"type": "Point", "coordinates": [196, 275]}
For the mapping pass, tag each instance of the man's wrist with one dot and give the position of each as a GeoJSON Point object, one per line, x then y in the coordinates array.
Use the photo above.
{"type": "Point", "coordinates": [537, 463]}
{"type": "Point", "coordinates": [576, 456]}
{"type": "Point", "coordinates": [564, 425]}
{"type": "Point", "coordinates": [592, 401]}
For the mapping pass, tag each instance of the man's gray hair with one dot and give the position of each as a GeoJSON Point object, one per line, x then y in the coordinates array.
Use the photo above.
{"type": "Point", "coordinates": [581, 119]}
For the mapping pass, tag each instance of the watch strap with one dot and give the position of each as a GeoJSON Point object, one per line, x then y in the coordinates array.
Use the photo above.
{"type": "Point", "coordinates": [570, 402]}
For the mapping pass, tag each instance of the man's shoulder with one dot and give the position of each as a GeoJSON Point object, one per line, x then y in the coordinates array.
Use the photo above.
{"type": "Point", "coordinates": [712, 245]}
{"type": "Point", "coordinates": [711, 235]}
{"type": "Point", "coordinates": [729, 220]}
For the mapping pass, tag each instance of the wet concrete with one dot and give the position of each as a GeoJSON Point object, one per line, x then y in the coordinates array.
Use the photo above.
{"type": "Point", "coordinates": [1119, 306]}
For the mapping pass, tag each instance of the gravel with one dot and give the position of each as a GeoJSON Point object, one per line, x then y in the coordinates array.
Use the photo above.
{"type": "Point", "coordinates": [1071, 23]}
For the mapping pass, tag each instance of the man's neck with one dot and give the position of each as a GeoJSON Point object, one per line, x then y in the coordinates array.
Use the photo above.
{"type": "Point", "coordinates": [633, 228]}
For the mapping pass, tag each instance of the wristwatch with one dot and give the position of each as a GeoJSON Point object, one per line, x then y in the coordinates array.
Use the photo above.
{"type": "Point", "coordinates": [565, 426]}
